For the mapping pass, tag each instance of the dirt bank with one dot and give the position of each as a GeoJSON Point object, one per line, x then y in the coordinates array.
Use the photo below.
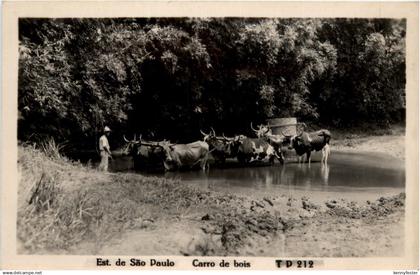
{"type": "Point", "coordinates": [71, 209]}
{"type": "Point", "coordinates": [390, 142]}
{"type": "Point", "coordinates": [274, 227]}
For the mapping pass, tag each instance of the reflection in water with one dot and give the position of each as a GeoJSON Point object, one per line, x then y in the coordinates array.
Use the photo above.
{"type": "Point", "coordinates": [347, 170]}
{"type": "Point", "coordinates": [325, 172]}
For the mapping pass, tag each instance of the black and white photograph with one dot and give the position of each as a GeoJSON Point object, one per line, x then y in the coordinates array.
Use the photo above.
{"type": "Point", "coordinates": [212, 136]}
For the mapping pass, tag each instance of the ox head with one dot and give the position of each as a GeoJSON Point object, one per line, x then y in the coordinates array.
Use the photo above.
{"type": "Point", "coordinates": [233, 143]}
{"type": "Point", "coordinates": [326, 134]}
{"type": "Point", "coordinates": [262, 130]}
{"type": "Point", "coordinates": [210, 135]}
{"type": "Point", "coordinates": [139, 148]}
{"type": "Point", "coordinates": [131, 145]}
{"type": "Point", "coordinates": [239, 139]}
{"type": "Point", "coordinates": [294, 141]}
{"type": "Point", "coordinates": [236, 140]}
{"type": "Point", "coordinates": [212, 140]}
{"type": "Point", "coordinates": [218, 143]}
{"type": "Point", "coordinates": [168, 149]}
{"type": "Point", "coordinates": [289, 140]}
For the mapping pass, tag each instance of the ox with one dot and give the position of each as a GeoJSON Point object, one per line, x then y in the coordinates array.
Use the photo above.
{"type": "Point", "coordinates": [179, 156]}
{"type": "Point", "coordinates": [256, 149]}
{"type": "Point", "coordinates": [305, 143]}
{"type": "Point", "coordinates": [221, 148]}
{"type": "Point", "coordinates": [146, 155]}
{"type": "Point", "coordinates": [276, 141]}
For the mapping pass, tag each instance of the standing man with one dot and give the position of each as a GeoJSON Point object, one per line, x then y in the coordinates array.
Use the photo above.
{"type": "Point", "coordinates": [104, 149]}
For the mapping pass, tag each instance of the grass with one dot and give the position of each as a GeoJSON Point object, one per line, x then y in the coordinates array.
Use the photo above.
{"type": "Point", "coordinates": [61, 203]}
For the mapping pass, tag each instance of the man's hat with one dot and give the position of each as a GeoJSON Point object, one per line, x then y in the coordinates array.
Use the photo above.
{"type": "Point", "coordinates": [107, 129]}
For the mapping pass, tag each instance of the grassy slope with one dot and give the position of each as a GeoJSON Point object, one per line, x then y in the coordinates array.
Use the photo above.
{"type": "Point", "coordinates": [76, 207]}
{"type": "Point", "coordinates": [72, 203]}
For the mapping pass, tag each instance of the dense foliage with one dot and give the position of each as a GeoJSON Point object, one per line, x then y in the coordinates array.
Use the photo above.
{"type": "Point", "coordinates": [170, 77]}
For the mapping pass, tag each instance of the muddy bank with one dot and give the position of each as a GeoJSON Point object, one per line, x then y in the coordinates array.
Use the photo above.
{"type": "Point", "coordinates": [273, 227]}
{"type": "Point", "coordinates": [68, 208]}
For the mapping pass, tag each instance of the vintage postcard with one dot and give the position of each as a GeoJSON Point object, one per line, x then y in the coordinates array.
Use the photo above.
{"type": "Point", "coordinates": [209, 135]}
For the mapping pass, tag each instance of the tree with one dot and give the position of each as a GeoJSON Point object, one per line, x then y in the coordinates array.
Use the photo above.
{"type": "Point", "coordinates": [370, 74]}
{"type": "Point", "coordinates": [170, 77]}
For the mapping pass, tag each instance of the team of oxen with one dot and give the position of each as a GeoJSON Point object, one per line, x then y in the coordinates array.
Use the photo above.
{"type": "Point", "coordinates": [265, 147]}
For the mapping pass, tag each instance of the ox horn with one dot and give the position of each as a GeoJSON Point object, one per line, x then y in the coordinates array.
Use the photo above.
{"type": "Point", "coordinates": [167, 143]}
{"type": "Point", "coordinates": [204, 134]}
{"type": "Point", "coordinates": [214, 132]}
{"type": "Point", "coordinates": [225, 138]}
{"type": "Point", "coordinates": [253, 128]}
{"type": "Point", "coordinates": [125, 139]}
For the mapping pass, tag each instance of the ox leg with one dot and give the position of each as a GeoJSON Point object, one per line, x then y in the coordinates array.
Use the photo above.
{"type": "Point", "coordinates": [204, 164]}
{"type": "Point", "coordinates": [308, 158]}
{"type": "Point", "coordinates": [272, 160]}
{"type": "Point", "coordinates": [325, 152]}
{"type": "Point", "coordinates": [279, 157]}
{"type": "Point", "coordinates": [167, 166]}
{"type": "Point", "coordinates": [325, 173]}
{"type": "Point", "coordinates": [327, 155]}
{"type": "Point", "coordinates": [326, 158]}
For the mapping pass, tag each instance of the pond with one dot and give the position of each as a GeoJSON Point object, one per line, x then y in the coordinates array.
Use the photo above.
{"type": "Point", "coordinates": [369, 173]}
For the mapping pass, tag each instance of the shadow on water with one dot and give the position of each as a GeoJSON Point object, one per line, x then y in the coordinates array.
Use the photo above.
{"type": "Point", "coordinates": [347, 170]}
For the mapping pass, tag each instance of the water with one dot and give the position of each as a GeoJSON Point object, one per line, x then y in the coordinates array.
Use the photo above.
{"type": "Point", "coordinates": [346, 172]}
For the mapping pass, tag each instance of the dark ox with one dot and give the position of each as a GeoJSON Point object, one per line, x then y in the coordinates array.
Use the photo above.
{"type": "Point", "coordinates": [145, 154]}
{"type": "Point", "coordinates": [221, 148]}
{"type": "Point", "coordinates": [181, 156]}
{"type": "Point", "coordinates": [305, 143]}
{"type": "Point", "coordinates": [164, 154]}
